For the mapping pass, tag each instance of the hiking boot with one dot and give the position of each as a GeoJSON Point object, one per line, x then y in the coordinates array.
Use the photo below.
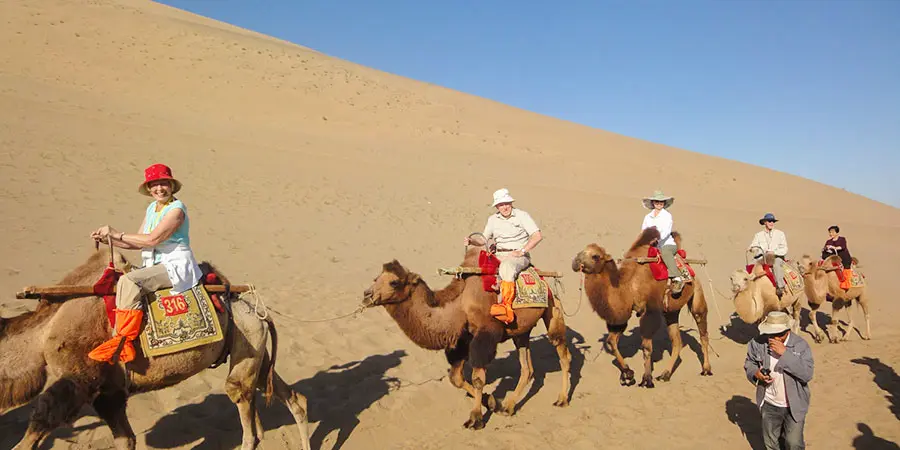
{"type": "Point", "coordinates": [128, 326]}
{"type": "Point", "coordinates": [677, 285]}
{"type": "Point", "coordinates": [503, 311]}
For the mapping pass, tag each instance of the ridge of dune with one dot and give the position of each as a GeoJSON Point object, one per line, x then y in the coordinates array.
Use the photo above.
{"type": "Point", "coordinates": [303, 173]}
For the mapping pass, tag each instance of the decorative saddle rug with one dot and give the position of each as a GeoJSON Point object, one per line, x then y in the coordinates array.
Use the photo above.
{"type": "Point", "coordinates": [857, 278]}
{"type": "Point", "coordinates": [179, 322]}
{"type": "Point", "coordinates": [532, 291]}
{"type": "Point", "coordinates": [792, 279]}
{"type": "Point", "coordinates": [849, 278]}
{"type": "Point", "coordinates": [659, 270]}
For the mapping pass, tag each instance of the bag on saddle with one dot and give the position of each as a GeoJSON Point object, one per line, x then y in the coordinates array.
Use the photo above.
{"type": "Point", "coordinates": [661, 272]}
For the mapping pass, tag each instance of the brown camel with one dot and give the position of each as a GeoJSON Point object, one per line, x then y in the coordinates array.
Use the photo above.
{"type": "Point", "coordinates": [755, 297]}
{"type": "Point", "coordinates": [43, 357]}
{"type": "Point", "coordinates": [822, 284]}
{"type": "Point", "coordinates": [614, 291]}
{"type": "Point", "coordinates": [457, 320]}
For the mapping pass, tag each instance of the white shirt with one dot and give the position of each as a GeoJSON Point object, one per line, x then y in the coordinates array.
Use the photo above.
{"type": "Point", "coordinates": [510, 233]}
{"type": "Point", "coordinates": [663, 223]}
{"type": "Point", "coordinates": [775, 393]}
{"type": "Point", "coordinates": [771, 241]}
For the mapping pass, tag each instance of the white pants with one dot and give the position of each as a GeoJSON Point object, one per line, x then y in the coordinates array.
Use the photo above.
{"type": "Point", "coordinates": [511, 266]}
{"type": "Point", "coordinates": [133, 285]}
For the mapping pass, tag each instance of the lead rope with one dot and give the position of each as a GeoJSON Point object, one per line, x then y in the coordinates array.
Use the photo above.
{"type": "Point", "coordinates": [580, 297]}
{"type": "Point", "coordinates": [258, 301]}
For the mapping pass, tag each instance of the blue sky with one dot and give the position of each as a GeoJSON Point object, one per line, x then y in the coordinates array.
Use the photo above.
{"type": "Point", "coordinates": [809, 87]}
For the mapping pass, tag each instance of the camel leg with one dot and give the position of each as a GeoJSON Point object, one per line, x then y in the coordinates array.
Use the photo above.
{"type": "Point", "coordinates": [649, 324]}
{"type": "Point", "coordinates": [242, 394]}
{"type": "Point", "coordinates": [111, 408]}
{"type": "Point", "coordinates": [795, 313]}
{"type": "Point", "coordinates": [482, 350]}
{"type": "Point", "coordinates": [626, 375]}
{"type": "Point", "coordinates": [57, 405]}
{"type": "Point", "coordinates": [818, 334]}
{"type": "Point", "coordinates": [294, 401]}
{"type": "Point", "coordinates": [476, 417]}
{"type": "Point", "coordinates": [458, 380]}
{"type": "Point", "coordinates": [851, 327]}
{"type": "Point", "coordinates": [835, 334]}
{"type": "Point", "coordinates": [526, 374]}
{"type": "Point", "coordinates": [699, 310]}
{"type": "Point", "coordinates": [248, 353]}
{"type": "Point", "coordinates": [863, 302]}
{"type": "Point", "coordinates": [556, 334]}
{"type": "Point", "coordinates": [675, 338]}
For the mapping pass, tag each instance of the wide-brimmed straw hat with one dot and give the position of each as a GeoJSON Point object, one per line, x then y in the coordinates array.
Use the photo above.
{"type": "Point", "coordinates": [658, 196]}
{"type": "Point", "coordinates": [158, 172]}
{"type": "Point", "coordinates": [776, 322]}
{"type": "Point", "coordinates": [502, 196]}
{"type": "Point", "coordinates": [768, 217]}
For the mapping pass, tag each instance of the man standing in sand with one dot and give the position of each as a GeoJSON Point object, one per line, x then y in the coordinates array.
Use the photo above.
{"type": "Point", "coordinates": [516, 234]}
{"type": "Point", "coordinates": [774, 246]}
{"type": "Point", "coordinates": [780, 364]}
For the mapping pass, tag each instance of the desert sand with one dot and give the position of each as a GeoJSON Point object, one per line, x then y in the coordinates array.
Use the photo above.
{"type": "Point", "coordinates": [304, 173]}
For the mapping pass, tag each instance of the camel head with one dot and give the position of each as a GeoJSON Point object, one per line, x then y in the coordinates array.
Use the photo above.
{"type": "Point", "coordinates": [593, 259]}
{"type": "Point", "coordinates": [806, 265]}
{"type": "Point", "coordinates": [740, 280]}
{"type": "Point", "coordinates": [394, 285]}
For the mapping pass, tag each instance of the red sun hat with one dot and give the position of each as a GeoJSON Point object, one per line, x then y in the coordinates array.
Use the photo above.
{"type": "Point", "coordinates": [158, 172]}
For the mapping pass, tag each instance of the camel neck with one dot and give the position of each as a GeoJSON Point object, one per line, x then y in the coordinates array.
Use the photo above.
{"type": "Point", "coordinates": [433, 328]}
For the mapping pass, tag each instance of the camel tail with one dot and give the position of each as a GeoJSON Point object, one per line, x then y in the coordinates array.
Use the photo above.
{"type": "Point", "coordinates": [271, 371]}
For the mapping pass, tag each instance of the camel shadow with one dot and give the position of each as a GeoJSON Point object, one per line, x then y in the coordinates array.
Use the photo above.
{"type": "Point", "coordinates": [739, 331]}
{"type": "Point", "coordinates": [544, 359]}
{"type": "Point", "coordinates": [630, 345]}
{"type": "Point", "coordinates": [742, 412]}
{"type": "Point", "coordinates": [336, 397]}
{"type": "Point", "coordinates": [14, 423]}
{"type": "Point", "coordinates": [869, 441]}
{"type": "Point", "coordinates": [886, 378]}
{"type": "Point", "coordinates": [822, 320]}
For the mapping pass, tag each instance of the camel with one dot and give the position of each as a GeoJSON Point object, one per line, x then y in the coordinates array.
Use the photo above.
{"type": "Point", "coordinates": [457, 319]}
{"type": "Point", "coordinates": [614, 291]}
{"type": "Point", "coordinates": [822, 284]}
{"type": "Point", "coordinates": [755, 297]}
{"type": "Point", "coordinates": [43, 358]}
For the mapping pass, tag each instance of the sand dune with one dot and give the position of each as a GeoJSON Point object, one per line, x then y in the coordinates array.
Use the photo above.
{"type": "Point", "coordinates": [303, 173]}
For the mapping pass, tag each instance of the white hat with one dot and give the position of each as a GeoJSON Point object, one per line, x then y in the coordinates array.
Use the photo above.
{"type": "Point", "coordinates": [502, 196]}
{"type": "Point", "coordinates": [658, 196]}
{"type": "Point", "coordinates": [776, 322]}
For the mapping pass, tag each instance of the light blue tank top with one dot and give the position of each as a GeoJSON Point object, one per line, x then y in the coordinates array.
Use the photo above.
{"type": "Point", "coordinates": [180, 236]}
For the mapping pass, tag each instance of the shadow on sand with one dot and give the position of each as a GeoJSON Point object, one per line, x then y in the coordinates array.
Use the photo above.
{"type": "Point", "coordinates": [630, 345]}
{"type": "Point", "coordinates": [886, 378]}
{"type": "Point", "coordinates": [742, 412]}
{"type": "Point", "coordinates": [868, 441]}
{"type": "Point", "coordinates": [337, 396]}
{"type": "Point", "coordinates": [14, 423]}
{"type": "Point", "coordinates": [544, 359]}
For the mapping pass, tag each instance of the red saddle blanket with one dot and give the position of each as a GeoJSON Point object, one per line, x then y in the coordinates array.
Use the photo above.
{"type": "Point", "coordinates": [490, 267]}
{"type": "Point", "coordinates": [839, 273]}
{"type": "Point", "coordinates": [659, 269]}
{"type": "Point", "coordinates": [769, 274]}
{"type": "Point", "coordinates": [106, 287]}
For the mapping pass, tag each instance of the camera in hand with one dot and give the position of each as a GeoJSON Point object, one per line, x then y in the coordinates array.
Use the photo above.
{"type": "Point", "coordinates": [765, 372]}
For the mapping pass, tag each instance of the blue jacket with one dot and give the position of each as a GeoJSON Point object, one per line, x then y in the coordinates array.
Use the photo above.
{"type": "Point", "coordinates": [797, 365]}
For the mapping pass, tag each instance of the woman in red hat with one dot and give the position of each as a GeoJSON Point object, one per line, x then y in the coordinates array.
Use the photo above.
{"type": "Point", "coordinates": [168, 261]}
